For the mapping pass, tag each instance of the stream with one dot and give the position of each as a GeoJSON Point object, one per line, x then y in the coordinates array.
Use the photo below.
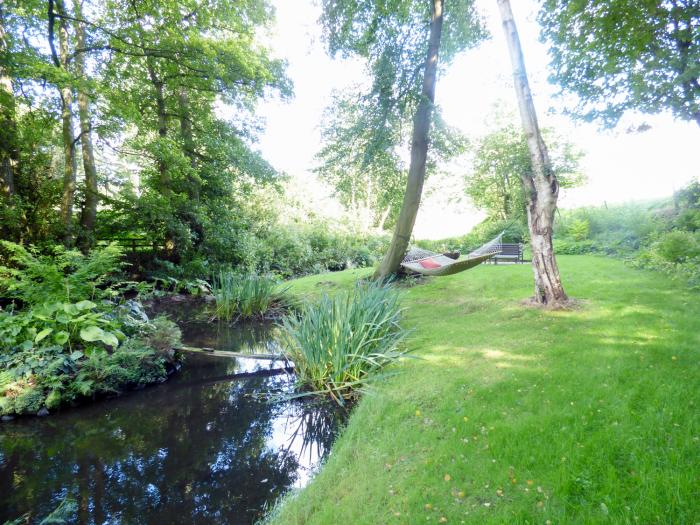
{"type": "Point", "coordinates": [200, 448]}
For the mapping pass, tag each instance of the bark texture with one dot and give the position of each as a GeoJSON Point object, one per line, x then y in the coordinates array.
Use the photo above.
{"type": "Point", "coordinates": [89, 211]}
{"type": "Point", "coordinates": [8, 125]}
{"type": "Point", "coordinates": [70, 161]}
{"type": "Point", "coordinates": [419, 153]}
{"type": "Point", "coordinates": [541, 185]}
{"type": "Point", "coordinates": [188, 142]}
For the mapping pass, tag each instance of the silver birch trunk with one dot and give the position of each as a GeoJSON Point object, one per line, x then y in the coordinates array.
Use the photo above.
{"type": "Point", "coordinates": [541, 185]}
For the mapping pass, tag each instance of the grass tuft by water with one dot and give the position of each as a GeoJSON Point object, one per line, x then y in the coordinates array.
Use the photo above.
{"type": "Point", "coordinates": [339, 344]}
{"type": "Point", "coordinates": [247, 296]}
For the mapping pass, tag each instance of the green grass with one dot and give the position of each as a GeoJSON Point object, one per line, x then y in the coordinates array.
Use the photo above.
{"type": "Point", "coordinates": [517, 415]}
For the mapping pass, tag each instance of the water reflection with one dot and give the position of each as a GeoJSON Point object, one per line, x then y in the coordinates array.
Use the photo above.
{"type": "Point", "coordinates": [199, 449]}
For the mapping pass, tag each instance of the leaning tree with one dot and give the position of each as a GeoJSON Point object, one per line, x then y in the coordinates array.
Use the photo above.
{"type": "Point", "coordinates": [400, 41]}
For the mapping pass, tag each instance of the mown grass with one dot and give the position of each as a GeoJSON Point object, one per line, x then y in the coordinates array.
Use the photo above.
{"type": "Point", "coordinates": [518, 415]}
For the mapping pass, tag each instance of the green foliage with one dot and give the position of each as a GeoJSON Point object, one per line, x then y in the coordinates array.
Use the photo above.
{"type": "Point", "coordinates": [624, 55]}
{"type": "Point", "coordinates": [162, 335]}
{"type": "Point", "coordinates": [661, 235]}
{"type": "Point", "coordinates": [63, 276]}
{"type": "Point", "coordinates": [68, 325]}
{"type": "Point", "coordinates": [315, 248]}
{"type": "Point", "coordinates": [502, 157]}
{"type": "Point", "coordinates": [677, 246]}
{"type": "Point", "coordinates": [579, 229]}
{"type": "Point", "coordinates": [339, 344]}
{"type": "Point", "coordinates": [247, 296]}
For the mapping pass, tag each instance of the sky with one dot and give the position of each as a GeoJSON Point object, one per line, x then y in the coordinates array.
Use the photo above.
{"type": "Point", "coordinates": [619, 166]}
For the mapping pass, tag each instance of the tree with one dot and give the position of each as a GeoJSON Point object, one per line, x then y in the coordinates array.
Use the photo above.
{"type": "Point", "coordinates": [89, 211]}
{"type": "Point", "coordinates": [401, 40]}
{"type": "Point", "coordinates": [502, 158]}
{"type": "Point", "coordinates": [624, 55]}
{"type": "Point", "coordinates": [61, 61]}
{"type": "Point", "coordinates": [8, 124]}
{"type": "Point", "coordinates": [540, 184]}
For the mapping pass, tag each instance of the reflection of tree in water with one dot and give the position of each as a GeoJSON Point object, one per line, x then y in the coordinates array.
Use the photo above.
{"type": "Point", "coordinates": [311, 430]}
{"type": "Point", "coordinates": [167, 455]}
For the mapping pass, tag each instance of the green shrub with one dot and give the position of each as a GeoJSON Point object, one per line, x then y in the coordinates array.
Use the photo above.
{"type": "Point", "coordinates": [570, 247]}
{"type": "Point", "coordinates": [677, 246]}
{"type": "Point", "coordinates": [579, 229]}
{"type": "Point", "coordinates": [340, 343]}
{"type": "Point", "coordinates": [162, 336]}
{"type": "Point", "coordinates": [66, 276]}
{"type": "Point", "coordinates": [247, 296]}
{"type": "Point", "coordinates": [72, 326]}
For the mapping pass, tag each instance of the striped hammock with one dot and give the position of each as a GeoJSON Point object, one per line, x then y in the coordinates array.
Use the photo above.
{"type": "Point", "coordinates": [426, 262]}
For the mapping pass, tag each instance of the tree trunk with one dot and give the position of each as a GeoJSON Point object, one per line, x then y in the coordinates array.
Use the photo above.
{"type": "Point", "coordinates": [188, 141]}
{"type": "Point", "coordinates": [89, 211]}
{"type": "Point", "coordinates": [158, 86]}
{"type": "Point", "coordinates": [541, 186]}
{"type": "Point", "coordinates": [419, 153]}
{"type": "Point", "coordinates": [383, 218]}
{"type": "Point", "coordinates": [70, 166]}
{"type": "Point", "coordinates": [8, 125]}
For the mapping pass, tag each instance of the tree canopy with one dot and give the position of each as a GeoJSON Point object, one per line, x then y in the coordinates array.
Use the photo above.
{"type": "Point", "coordinates": [500, 160]}
{"type": "Point", "coordinates": [624, 55]}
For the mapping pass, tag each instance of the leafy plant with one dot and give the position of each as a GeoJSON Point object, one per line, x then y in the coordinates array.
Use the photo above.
{"type": "Point", "coordinates": [65, 276]}
{"type": "Point", "coordinates": [579, 229]}
{"type": "Point", "coordinates": [247, 296]}
{"type": "Point", "coordinates": [162, 335]}
{"type": "Point", "coordinates": [677, 246]}
{"type": "Point", "coordinates": [339, 344]}
{"type": "Point", "coordinates": [65, 324]}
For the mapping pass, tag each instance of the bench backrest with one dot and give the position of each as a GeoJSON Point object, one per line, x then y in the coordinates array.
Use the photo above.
{"type": "Point", "coordinates": [511, 249]}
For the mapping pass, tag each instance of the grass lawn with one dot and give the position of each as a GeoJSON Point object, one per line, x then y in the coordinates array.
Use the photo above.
{"type": "Point", "coordinates": [516, 415]}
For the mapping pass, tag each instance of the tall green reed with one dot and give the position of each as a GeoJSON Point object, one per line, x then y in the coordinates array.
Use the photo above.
{"type": "Point", "coordinates": [247, 296]}
{"type": "Point", "coordinates": [340, 343]}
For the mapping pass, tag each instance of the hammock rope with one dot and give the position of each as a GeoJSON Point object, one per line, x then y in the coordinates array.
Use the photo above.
{"type": "Point", "coordinates": [426, 262]}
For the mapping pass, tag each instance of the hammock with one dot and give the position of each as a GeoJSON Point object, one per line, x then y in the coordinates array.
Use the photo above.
{"type": "Point", "coordinates": [426, 262]}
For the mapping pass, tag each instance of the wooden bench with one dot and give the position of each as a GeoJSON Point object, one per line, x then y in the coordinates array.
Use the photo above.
{"type": "Point", "coordinates": [509, 252]}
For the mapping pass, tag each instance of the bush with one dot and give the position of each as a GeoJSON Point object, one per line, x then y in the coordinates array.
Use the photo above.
{"type": "Point", "coordinates": [579, 229]}
{"type": "Point", "coordinates": [61, 345]}
{"type": "Point", "coordinates": [64, 276]}
{"type": "Point", "coordinates": [570, 247]}
{"type": "Point", "coordinates": [339, 344]}
{"type": "Point", "coordinates": [677, 246]}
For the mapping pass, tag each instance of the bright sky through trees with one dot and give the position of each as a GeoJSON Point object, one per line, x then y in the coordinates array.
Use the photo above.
{"type": "Point", "coordinates": [620, 166]}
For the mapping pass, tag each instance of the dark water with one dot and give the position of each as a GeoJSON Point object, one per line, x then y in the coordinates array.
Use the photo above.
{"type": "Point", "coordinates": [201, 448]}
